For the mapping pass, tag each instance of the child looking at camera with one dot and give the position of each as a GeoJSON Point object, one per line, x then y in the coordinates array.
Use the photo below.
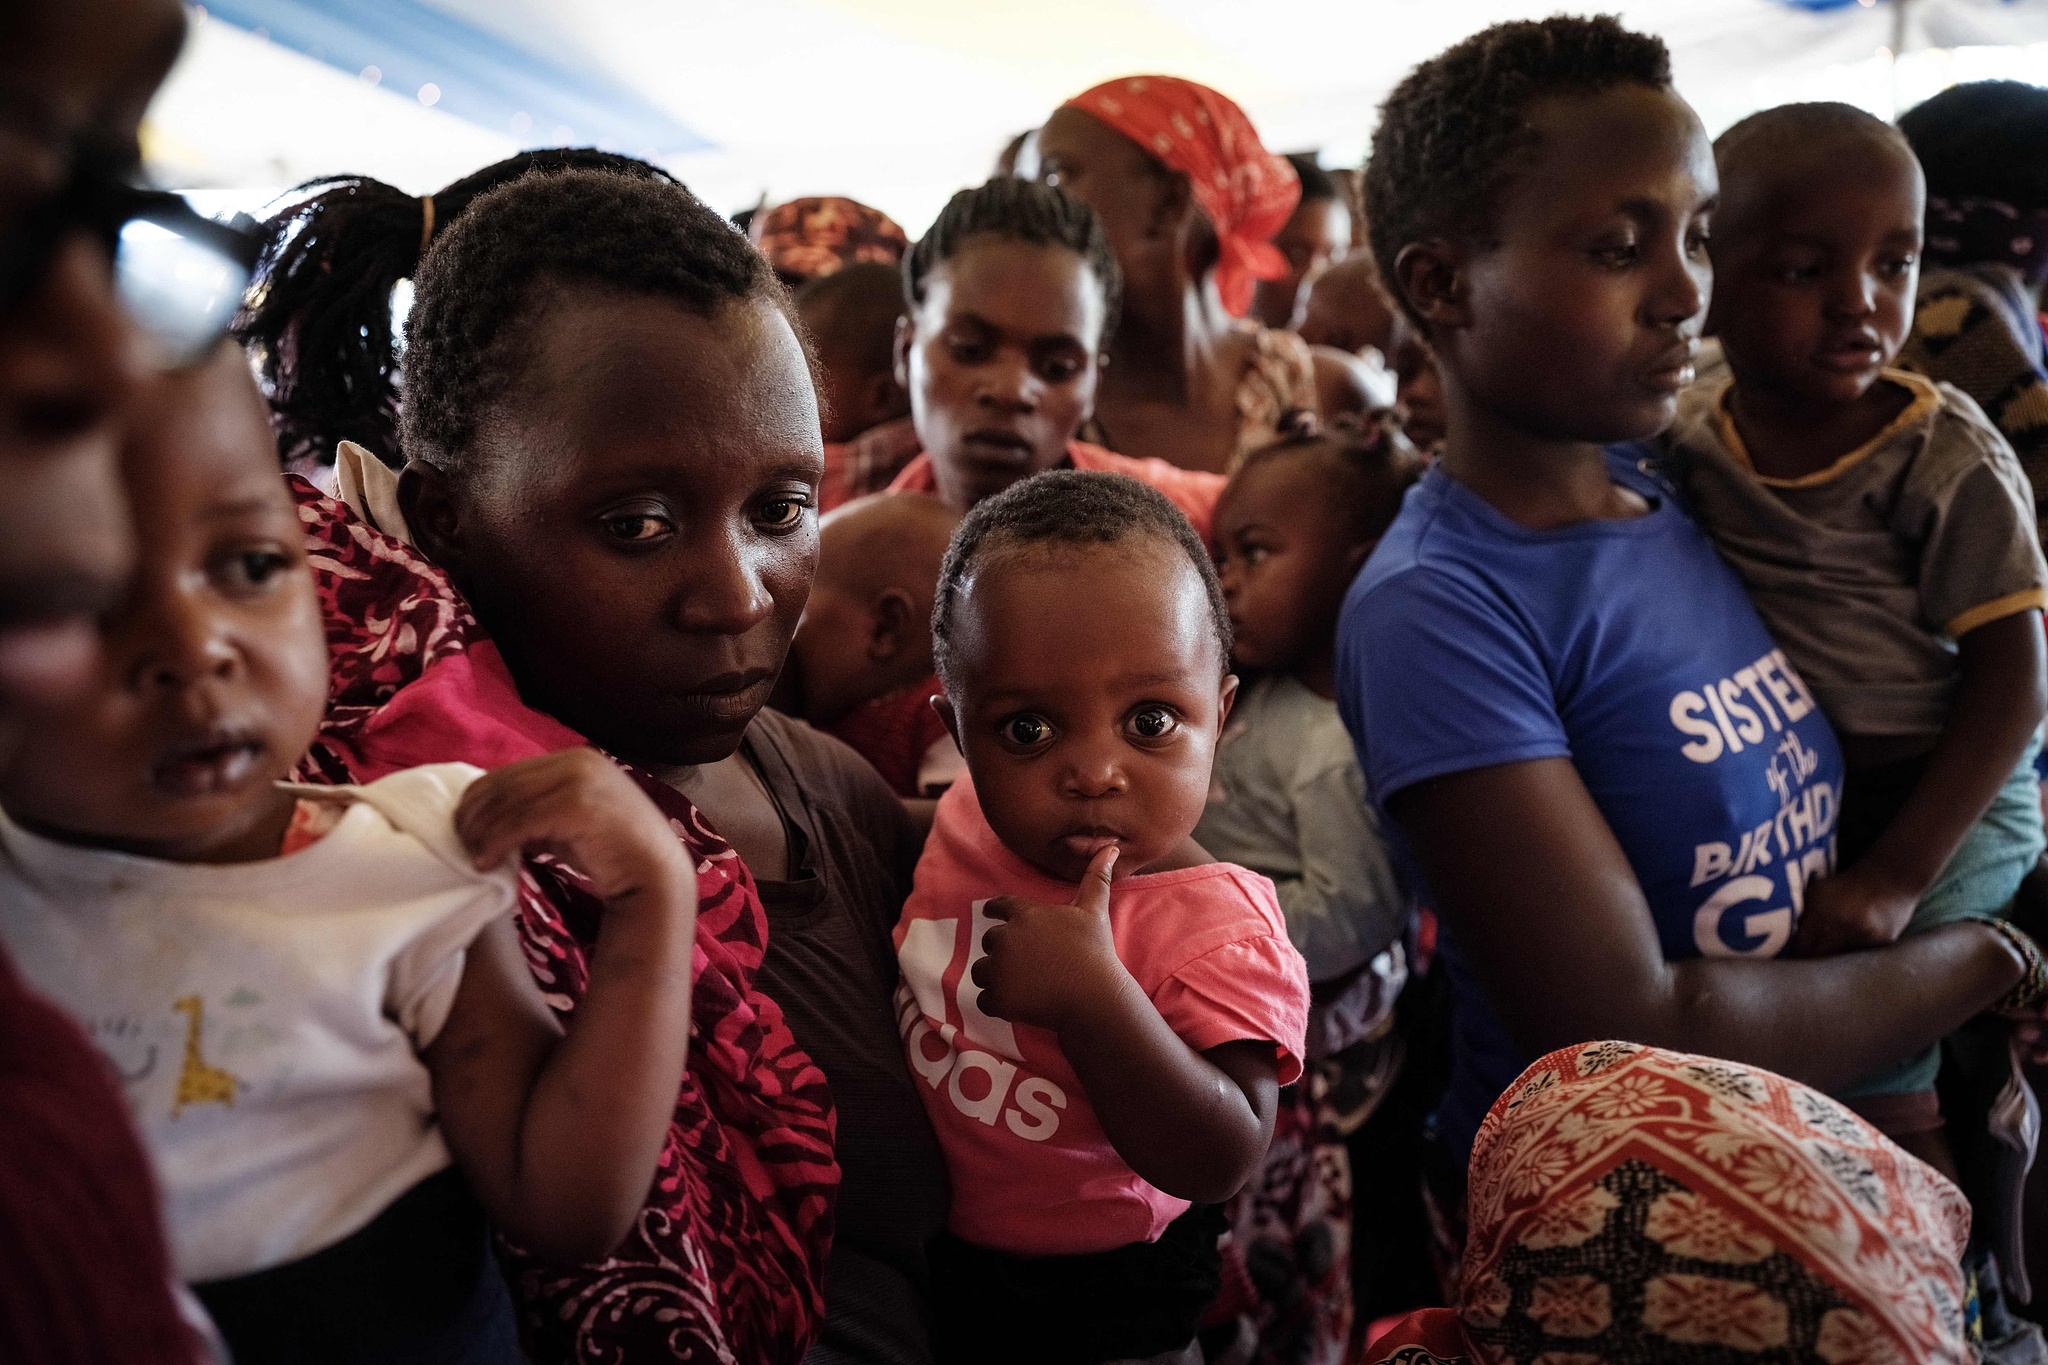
{"type": "Point", "coordinates": [1886, 533]}
{"type": "Point", "coordinates": [314, 996]}
{"type": "Point", "coordinates": [1100, 1012]}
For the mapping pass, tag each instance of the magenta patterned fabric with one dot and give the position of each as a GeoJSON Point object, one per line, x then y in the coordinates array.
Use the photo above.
{"type": "Point", "coordinates": [726, 1262]}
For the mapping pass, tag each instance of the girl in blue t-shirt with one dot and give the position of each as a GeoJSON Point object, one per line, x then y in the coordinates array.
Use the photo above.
{"type": "Point", "coordinates": [1612, 782]}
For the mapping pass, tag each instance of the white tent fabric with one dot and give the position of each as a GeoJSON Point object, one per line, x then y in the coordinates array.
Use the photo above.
{"type": "Point", "coordinates": [899, 102]}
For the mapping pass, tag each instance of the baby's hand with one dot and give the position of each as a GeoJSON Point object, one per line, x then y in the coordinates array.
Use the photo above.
{"type": "Point", "coordinates": [1044, 963]}
{"type": "Point", "coordinates": [580, 807]}
{"type": "Point", "coordinates": [1860, 908]}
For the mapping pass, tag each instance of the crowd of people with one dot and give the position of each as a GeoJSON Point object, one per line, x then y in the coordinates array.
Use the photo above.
{"type": "Point", "coordinates": [1217, 760]}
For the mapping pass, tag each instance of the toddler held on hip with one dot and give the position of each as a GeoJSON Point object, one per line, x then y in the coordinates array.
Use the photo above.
{"type": "Point", "coordinates": [1886, 533]}
{"type": "Point", "coordinates": [314, 996]}
{"type": "Point", "coordinates": [1101, 1014]}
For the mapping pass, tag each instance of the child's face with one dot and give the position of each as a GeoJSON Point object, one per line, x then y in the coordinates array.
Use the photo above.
{"type": "Point", "coordinates": [1816, 258]}
{"type": "Point", "coordinates": [1581, 321]}
{"type": "Point", "coordinates": [866, 630]}
{"type": "Point", "coordinates": [1312, 240]}
{"type": "Point", "coordinates": [1088, 693]}
{"type": "Point", "coordinates": [638, 527]}
{"type": "Point", "coordinates": [213, 677]}
{"type": "Point", "coordinates": [1286, 554]}
{"type": "Point", "coordinates": [1000, 361]}
{"type": "Point", "coordinates": [1418, 390]}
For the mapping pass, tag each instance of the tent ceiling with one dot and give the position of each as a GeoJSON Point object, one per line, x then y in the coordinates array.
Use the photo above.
{"type": "Point", "coordinates": [895, 101]}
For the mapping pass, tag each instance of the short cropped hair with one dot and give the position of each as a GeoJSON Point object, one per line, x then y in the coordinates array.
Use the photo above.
{"type": "Point", "coordinates": [464, 345]}
{"type": "Point", "coordinates": [1454, 130]}
{"type": "Point", "coordinates": [1066, 507]}
{"type": "Point", "coordinates": [1797, 123]}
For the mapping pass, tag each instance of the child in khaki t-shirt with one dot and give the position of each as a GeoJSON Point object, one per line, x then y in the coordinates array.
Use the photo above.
{"type": "Point", "coordinates": [1886, 534]}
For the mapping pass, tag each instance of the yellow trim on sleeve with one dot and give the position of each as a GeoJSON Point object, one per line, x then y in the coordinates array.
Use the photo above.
{"type": "Point", "coordinates": [1926, 398]}
{"type": "Point", "coordinates": [1997, 609]}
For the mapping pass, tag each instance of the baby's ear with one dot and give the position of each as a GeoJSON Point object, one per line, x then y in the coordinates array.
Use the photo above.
{"type": "Point", "coordinates": [1225, 699]}
{"type": "Point", "coordinates": [893, 616]}
{"type": "Point", "coordinates": [886, 397]}
{"type": "Point", "coordinates": [943, 704]}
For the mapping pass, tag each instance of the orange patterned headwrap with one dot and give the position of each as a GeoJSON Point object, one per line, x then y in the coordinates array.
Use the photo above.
{"type": "Point", "coordinates": [1629, 1206]}
{"type": "Point", "coordinates": [807, 239]}
{"type": "Point", "coordinates": [1247, 192]}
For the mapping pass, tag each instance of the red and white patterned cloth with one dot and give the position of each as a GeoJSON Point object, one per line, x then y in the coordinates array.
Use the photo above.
{"type": "Point", "coordinates": [1247, 192]}
{"type": "Point", "coordinates": [1629, 1205]}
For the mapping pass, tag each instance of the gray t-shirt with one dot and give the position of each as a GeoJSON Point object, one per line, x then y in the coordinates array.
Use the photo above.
{"type": "Point", "coordinates": [1868, 571]}
{"type": "Point", "coordinates": [1288, 801]}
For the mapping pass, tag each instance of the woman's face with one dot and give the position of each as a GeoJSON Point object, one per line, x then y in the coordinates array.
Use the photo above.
{"type": "Point", "coordinates": [637, 524]}
{"type": "Point", "coordinates": [1111, 174]}
{"type": "Point", "coordinates": [1582, 320]}
{"type": "Point", "coordinates": [1000, 363]}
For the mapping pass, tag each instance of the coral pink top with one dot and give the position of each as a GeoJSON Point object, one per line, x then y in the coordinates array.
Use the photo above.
{"type": "Point", "coordinates": [1194, 492]}
{"type": "Point", "coordinates": [1032, 1171]}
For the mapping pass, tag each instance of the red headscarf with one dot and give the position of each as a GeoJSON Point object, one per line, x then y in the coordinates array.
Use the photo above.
{"type": "Point", "coordinates": [1247, 191]}
{"type": "Point", "coordinates": [1628, 1203]}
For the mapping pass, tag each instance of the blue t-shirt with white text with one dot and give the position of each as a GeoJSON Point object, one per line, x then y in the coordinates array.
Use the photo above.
{"type": "Point", "coordinates": [1469, 641]}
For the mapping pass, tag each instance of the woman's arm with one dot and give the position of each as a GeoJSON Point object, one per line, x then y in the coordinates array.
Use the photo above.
{"type": "Point", "coordinates": [1524, 870]}
{"type": "Point", "coordinates": [1999, 702]}
{"type": "Point", "coordinates": [1194, 1124]}
{"type": "Point", "coordinates": [560, 1135]}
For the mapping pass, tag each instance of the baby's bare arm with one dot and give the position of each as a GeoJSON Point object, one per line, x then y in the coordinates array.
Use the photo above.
{"type": "Point", "coordinates": [560, 1135]}
{"type": "Point", "coordinates": [1194, 1124]}
{"type": "Point", "coordinates": [1999, 703]}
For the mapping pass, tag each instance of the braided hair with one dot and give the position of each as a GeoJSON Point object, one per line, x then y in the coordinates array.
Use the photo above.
{"type": "Point", "coordinates": [1019, 211]}
{"type": "Point", "coordinates": [635, 235]}
{"type": "Point", "coordinates": [1069, 507]}
{"type": "Point", "coordinates": [317, 320]}
{"type": "Point", "coordinates": [1369, 470]}
{"type": "Point", "coordinates": [1455, 129]}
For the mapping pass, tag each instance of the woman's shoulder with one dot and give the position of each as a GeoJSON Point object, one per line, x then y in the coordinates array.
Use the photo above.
{"type": "Point", "coordinates": [830, 772]}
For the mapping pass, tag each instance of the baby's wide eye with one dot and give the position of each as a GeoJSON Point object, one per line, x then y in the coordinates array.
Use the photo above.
{"type": "Point", "coordinates": [1153, 722]}
{"type": "Point", "coordinates": [1026, 731]}
{"type": "Point", "coordinates": [247, 571]}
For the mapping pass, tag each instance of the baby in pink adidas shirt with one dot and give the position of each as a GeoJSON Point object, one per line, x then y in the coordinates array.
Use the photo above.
{"type": "Point", "coordinates": [1100, 1013]}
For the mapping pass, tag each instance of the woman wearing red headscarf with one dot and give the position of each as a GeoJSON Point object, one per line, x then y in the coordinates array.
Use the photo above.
{"type": "Point", "coordinates": [1190, 200]}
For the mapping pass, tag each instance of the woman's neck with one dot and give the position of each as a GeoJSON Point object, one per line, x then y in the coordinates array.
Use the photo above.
{"type": "Point", "coordinates": [735, 797]}
{"type": "Point", "coordinates": [1538, 482]}
{"type": "Point", "coordinates": [1166, 339]}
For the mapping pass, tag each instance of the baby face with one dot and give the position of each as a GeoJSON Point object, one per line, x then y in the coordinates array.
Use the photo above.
{"type": "Point", "coordinates": [213, 674]}
{"type": "Point", "coordinates": [1816, 261]}
{"type": "Point", "coordinates": [1088, 693]}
